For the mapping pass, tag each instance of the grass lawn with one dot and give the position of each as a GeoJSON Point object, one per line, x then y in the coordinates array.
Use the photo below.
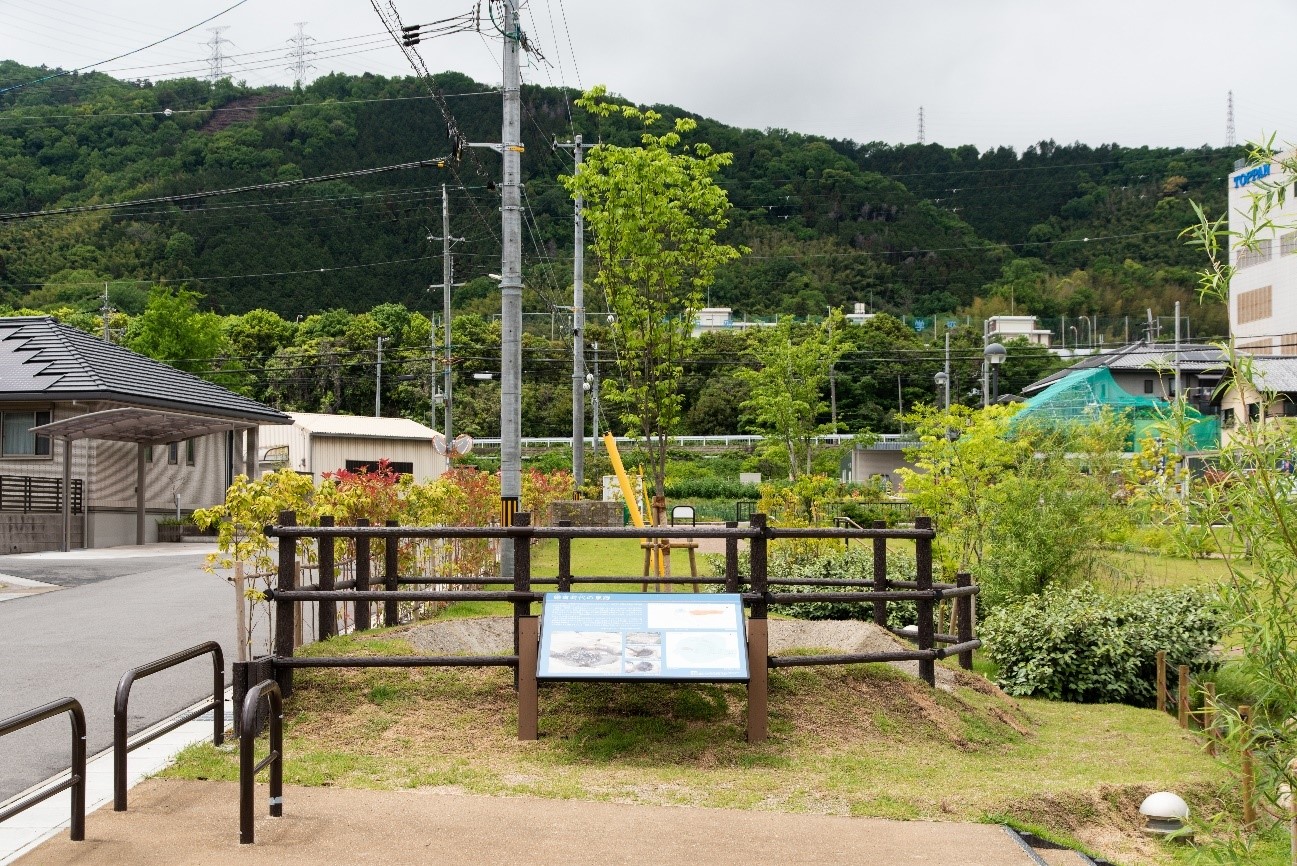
{"type": "Point", "coordinates": [860, 740]}
{"type": "Point", "coordinates": [1136, 571]}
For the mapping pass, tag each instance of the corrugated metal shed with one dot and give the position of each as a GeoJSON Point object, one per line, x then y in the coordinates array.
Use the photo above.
{"type": "Point", "coordinates": [360, 425]}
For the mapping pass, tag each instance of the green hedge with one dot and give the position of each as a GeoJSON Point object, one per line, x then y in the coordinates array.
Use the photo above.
{"type": "Point", "coordinates": [1086, 646]}
{"type": "Point", "coordinates": [710, 488]}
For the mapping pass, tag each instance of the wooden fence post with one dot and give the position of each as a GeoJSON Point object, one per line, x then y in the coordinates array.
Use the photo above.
{"type": "Point", "coordinates": [361, 617]}
{"type": "Point", "coordinates": [1182, 696]}
{"type": "Point", "coordinates": [326, 610]}
{"type": "Point", "coordinates": [1249, 779]}
{"type": "Point", "coordinates": [923, 577]}
{"type": "Point", "coordinates": [731, 559]}
{"type": "Point", "coordinates": [521, 578]}
{"type": "Point", "coordinates": [283, 645]}
{"type": "Point", "coordinates": [758, 636]}
{"type": "Point", "coordinates": [880, 575]}
{"type": "Point", "coordinates": [565, 560]}
{"type": "Point", "coordinates": [1209, 717]}
{"type": "Point", "coordinates": [964, 609]}
{"type": "Point", "coordinates": [1161, 681]}
{"type": "Point", "coordinates": [391, 573]}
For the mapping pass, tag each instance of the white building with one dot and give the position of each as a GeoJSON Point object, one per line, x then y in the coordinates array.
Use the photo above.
{"type": "Point", "coordinates": [1263, 291]}
{"type": "Point", "coordinates": [314, 444]}
{"type": "Point", "coordinates": [1001, 329]}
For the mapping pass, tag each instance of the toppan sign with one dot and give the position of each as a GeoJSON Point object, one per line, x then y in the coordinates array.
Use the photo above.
{"type": "Point", "coordinates": [1247, 177]}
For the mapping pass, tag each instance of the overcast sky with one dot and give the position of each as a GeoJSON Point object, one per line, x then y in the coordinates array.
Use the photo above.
{"type": "Point", "coordinates": [987, 72]}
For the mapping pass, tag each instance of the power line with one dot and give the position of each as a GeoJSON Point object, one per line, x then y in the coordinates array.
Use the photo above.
{"type": "Point", "coordinates": [282, 184]}
{"type": "Point", "coordinates": [127, 54]}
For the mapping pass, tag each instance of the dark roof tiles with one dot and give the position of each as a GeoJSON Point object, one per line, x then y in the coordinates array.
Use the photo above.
{"type": "Point", "coordinates": [40, 358]}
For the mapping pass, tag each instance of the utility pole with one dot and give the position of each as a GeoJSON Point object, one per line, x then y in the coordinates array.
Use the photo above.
{"type": "Point", "coordinates": [447, 283]}
{"type": "Point", "coordinates": [378, 381]}
{"type": "Point", "coordinates": [947, 369]}
{"type": "Point", "coordinates": [833, 381]}
{"type": "Point", "coordinates": [1177, 350]}
{"type": "Point", "coordinates": [510, 286]}
{"type": "Point", "coordinates": [105, 312]}
{"type": "Point", "coordinates": [594, 403]}
{"type": "Point", "coordinates": [578, 328]}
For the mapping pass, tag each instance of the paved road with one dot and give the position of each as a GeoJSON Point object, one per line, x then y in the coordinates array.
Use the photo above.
{"type": "Point", "coordinates": [116, 609]}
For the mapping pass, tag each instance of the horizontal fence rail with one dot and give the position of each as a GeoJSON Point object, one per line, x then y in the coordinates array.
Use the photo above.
{"type": "Point", "coordinates": [76, 781]}
{"type": "Point", "coordinates": [32, 495]}
{"type": "Point", "coordinates": [122, 746]}
{"type": "Point", "coordinates": [758, 588]}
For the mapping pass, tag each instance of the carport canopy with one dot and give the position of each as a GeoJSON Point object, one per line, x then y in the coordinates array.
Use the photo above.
{"type": "Point", "coordinates": [136, 424]}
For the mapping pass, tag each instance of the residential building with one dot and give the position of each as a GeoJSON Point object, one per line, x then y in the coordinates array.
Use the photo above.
{"type": "Point", "coordinates": [129, 437]}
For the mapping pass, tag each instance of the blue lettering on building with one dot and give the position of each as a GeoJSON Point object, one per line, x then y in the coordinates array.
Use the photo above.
{"type": "Point", "coordinates": [1254, 174]}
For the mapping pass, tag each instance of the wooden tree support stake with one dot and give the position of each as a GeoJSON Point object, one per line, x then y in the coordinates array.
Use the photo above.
{"type": "Point", "coordinates": [1182, 696]}
{"type": "Point", "coordinates": [1249, 779]}
{"type": "Point", "coordinates": [1161, 681]}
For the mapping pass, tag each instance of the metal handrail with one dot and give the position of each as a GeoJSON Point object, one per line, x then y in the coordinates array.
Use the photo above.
{"type": "Point", "coordinates": [76, 781]}
{"type": "Point", "coordinates": [275, 760]}
{"type": "Point", "coordinates": [122, 746]}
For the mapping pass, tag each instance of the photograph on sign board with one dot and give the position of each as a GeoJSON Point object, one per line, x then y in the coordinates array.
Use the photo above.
{"type": "Point", "coordinates": [702, 649]}
{"type": "Point", "coordinates": [585, 652]}
{"type": "Point", "coordinates": [691, 615]}
{"type": "Point", "coordinates": [644, 645]}
{"type": "Point", "coordinates": [643, 666]}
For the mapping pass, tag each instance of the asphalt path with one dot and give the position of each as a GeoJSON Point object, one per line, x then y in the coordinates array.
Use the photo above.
{"type": "Point", "coordinates": [115, 610]}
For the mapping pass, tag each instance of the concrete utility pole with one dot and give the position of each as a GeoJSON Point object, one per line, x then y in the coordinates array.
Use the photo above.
{"type": "Point", "coordinates": [594, 403]}
{"type": "Point", "coordinates": [378, 382]}
{"type": "Point", "coordinates": [447, 283]}
{"type": "Point", "coordinates": [578, 328]}
{"type": "Point", "coordinates": [510, 286]}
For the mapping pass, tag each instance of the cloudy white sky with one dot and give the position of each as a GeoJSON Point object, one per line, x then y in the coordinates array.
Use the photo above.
{"type": "Point", "coordinates": [987, 72]}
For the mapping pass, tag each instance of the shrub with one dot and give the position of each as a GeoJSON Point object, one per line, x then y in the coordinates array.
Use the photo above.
{"type": "Point", "coordinates": [1085, 646]}
{"type": "Point", "coordinates": [710, 488]}
{"type": "Point", "coordinates": [851, 561]}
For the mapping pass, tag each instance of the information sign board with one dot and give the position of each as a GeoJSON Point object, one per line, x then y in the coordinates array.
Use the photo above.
{"type": "Point", "coordinates": [643, 636]}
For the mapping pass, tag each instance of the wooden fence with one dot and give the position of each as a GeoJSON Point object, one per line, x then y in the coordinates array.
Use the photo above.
{"type": "Point", "coordinates": [758, 588]}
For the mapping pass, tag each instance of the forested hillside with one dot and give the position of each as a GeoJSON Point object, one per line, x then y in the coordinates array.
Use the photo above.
{"type": "Point", "coordinates": [909, 229]}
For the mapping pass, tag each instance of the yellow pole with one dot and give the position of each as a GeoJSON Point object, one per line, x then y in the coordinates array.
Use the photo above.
{"type": "Point", "coordinates": [614, 457]}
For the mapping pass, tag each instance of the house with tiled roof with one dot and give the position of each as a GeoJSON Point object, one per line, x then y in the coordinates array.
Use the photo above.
{"type": "Point", "coordinates": [129, 439]}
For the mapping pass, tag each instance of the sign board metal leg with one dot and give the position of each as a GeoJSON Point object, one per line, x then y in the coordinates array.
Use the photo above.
{"type": "Point", "coordinates": [758, 684]}
{"type": "Point", "coordinates": [528, 696]}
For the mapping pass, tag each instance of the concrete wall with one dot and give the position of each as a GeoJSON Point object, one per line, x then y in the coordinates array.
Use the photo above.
{"type": "Point", "coordinates": [26, 533]}
{"type": "Point", "coordinates": [868, 462]}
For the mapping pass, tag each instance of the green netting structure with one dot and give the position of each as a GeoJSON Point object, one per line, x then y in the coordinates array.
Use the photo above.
{"type": "Point", "coordinates": [1082, 394]}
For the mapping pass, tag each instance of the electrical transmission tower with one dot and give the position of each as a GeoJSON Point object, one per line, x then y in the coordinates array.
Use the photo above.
{"type": "Point", "coordinates": [921, 137]}
{"type": "Point", "coordinates": [299, 53]}
{"type": "Point", "coordinates": [1229, 121]}
{"type": "Point", "coordinates": [216, 59]}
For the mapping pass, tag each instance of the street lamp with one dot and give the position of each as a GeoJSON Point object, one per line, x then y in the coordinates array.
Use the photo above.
{"type": "Point", "coordinates": [943, 381]}
{"type": "Point", "coordinates": [993, 356]}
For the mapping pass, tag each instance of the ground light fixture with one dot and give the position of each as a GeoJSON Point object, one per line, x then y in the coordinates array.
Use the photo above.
{"type": "Point", "coordinates": [1166, 814]}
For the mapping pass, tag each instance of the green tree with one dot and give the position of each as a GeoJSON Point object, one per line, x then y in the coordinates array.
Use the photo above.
{"type": "Point", "coordinates": [174, 330]}
{"type": "Point", "coordinates": [786, 390]}
{"type": "Point", "coordinates": [654, 212]}
{"type": "Point", "coordinates": [1021, 506]}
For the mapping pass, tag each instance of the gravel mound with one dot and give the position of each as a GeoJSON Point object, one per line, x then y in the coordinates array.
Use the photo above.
{"type": "Point", "coordinates": [493, 635]}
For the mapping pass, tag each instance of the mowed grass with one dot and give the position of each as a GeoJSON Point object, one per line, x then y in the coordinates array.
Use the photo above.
{"type": "Point", "coordinates": [1139, 571]}
{"type": "Point", "coordinates": [861, 740]}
